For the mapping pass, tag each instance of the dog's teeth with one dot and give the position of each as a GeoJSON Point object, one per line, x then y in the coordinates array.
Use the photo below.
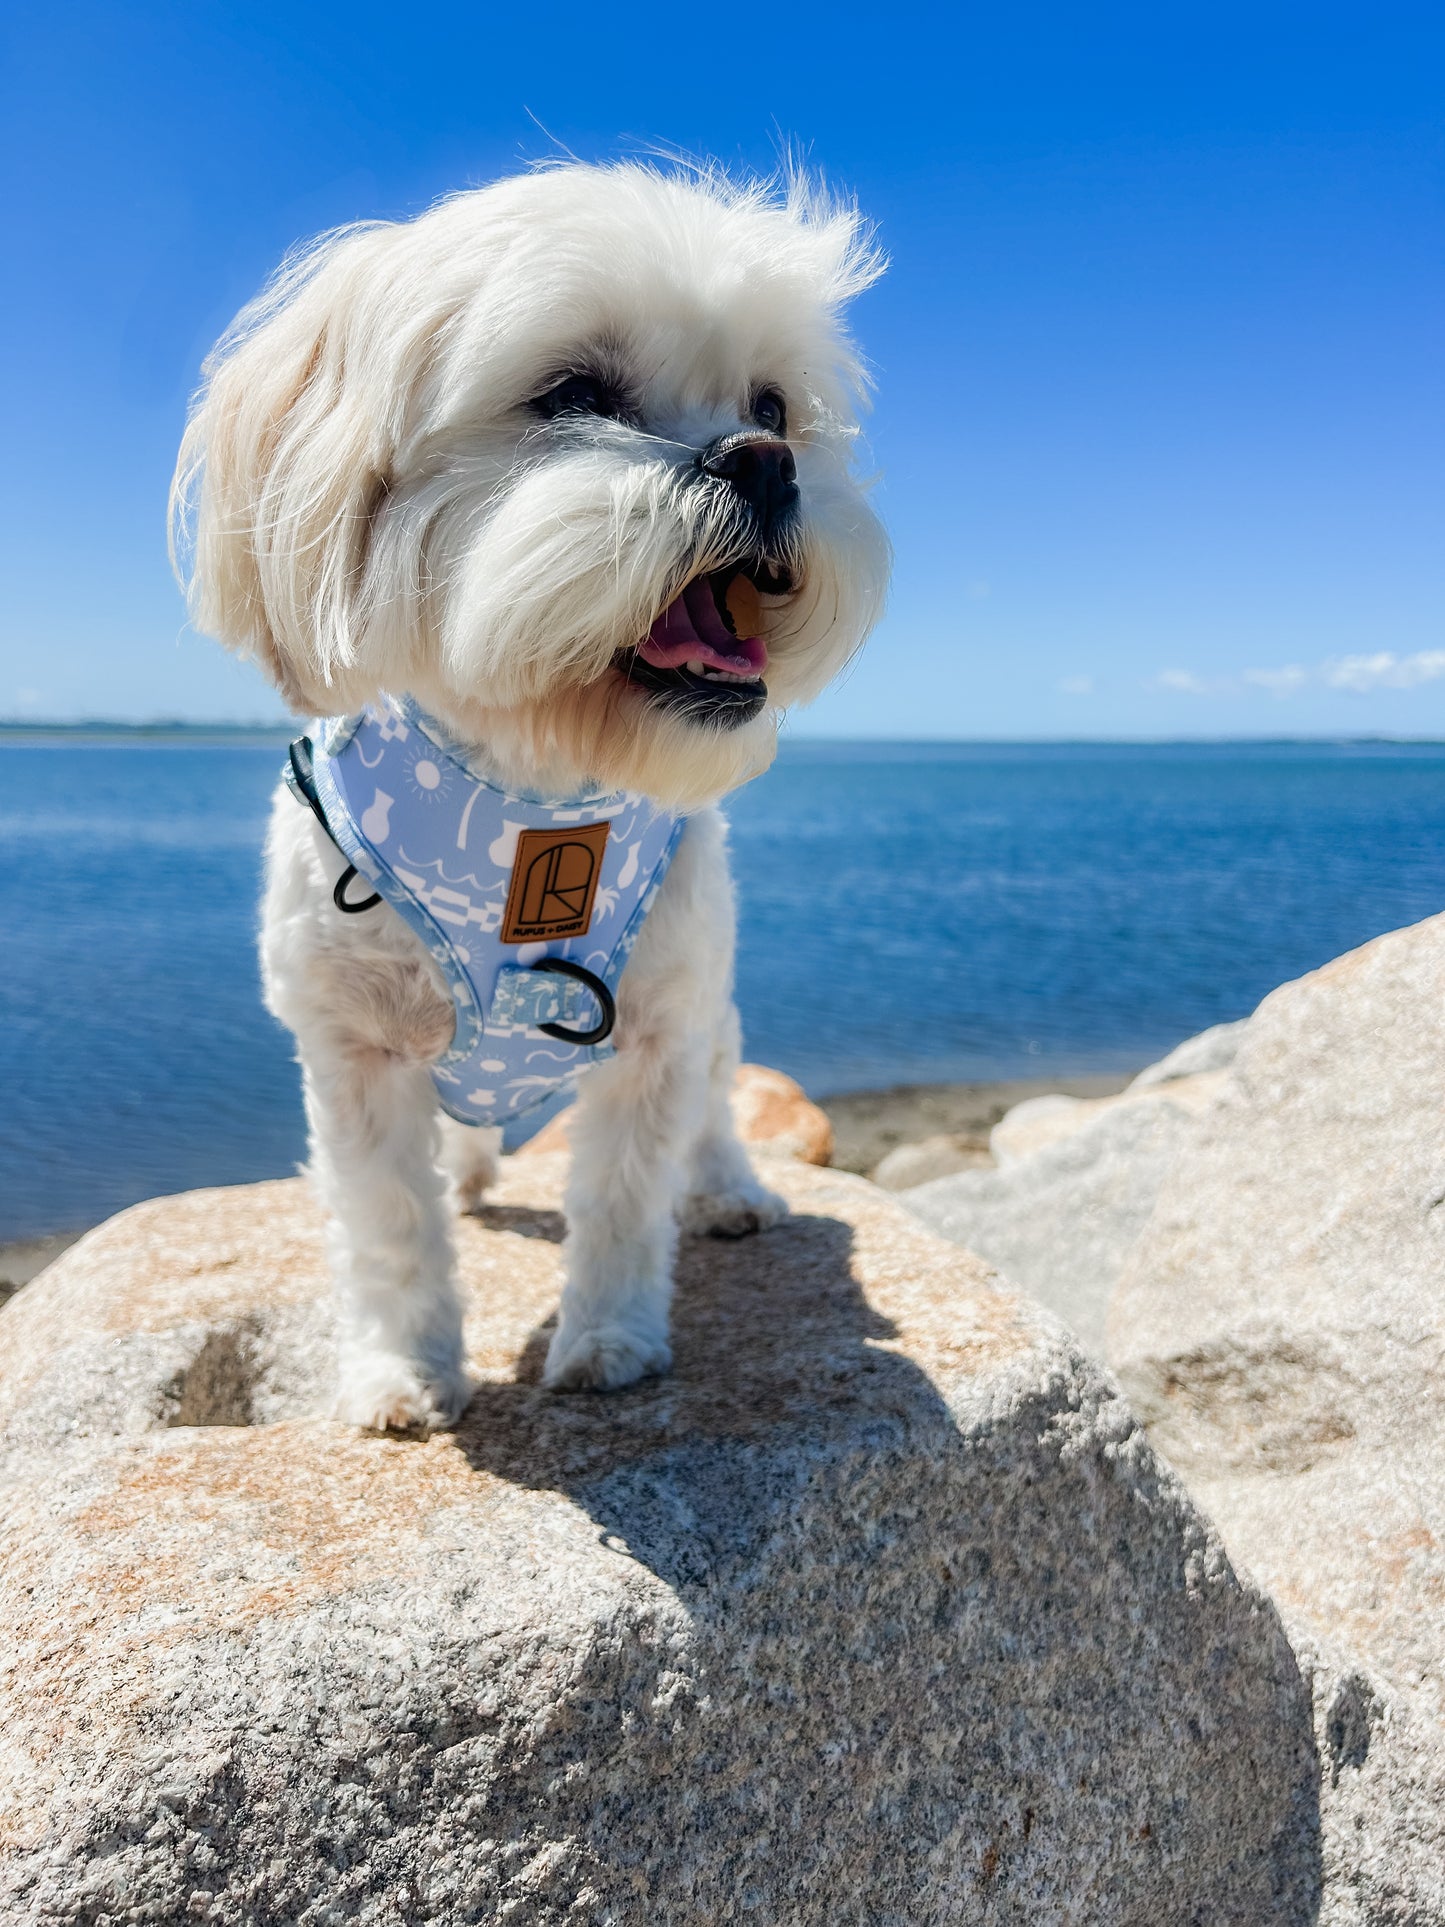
{"type": "Point", "coordinates": [695, 668]}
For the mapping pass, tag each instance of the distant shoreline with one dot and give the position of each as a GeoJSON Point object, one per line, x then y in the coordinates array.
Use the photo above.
{"type": "Point", "coordinates": [149, 733]}
{"type": "Point", "coordinates": [99, 730]}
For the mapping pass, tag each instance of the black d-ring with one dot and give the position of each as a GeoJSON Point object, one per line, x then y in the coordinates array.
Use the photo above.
{"type": "Point", "coordinates": [303, 781]}
{"type": "Point", "coordinates": [561, 967]}
{"type": "Point", "coordinates": [339, 897]}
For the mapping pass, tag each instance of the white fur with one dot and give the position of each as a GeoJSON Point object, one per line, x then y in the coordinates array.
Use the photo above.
{"type": "Point", "coordinates": [372, 504]}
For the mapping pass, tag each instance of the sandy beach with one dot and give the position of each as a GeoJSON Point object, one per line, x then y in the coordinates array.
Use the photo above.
{"type": "Point", "coordinates": [870, 1124]}
{"type": "Point", "coordinates": [20, 1262]}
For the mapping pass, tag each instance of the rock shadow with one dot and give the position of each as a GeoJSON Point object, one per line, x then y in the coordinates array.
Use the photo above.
{"type": "Point", "coordinates": [526, 1221]}
{"type": "Point", "coordinates": [767, 1333]}
{"type": "Point", "coordinates": [1001, 1608]}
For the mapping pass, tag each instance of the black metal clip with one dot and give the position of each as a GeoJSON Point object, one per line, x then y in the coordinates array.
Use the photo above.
{"type": "Point", "coordinates": [562, 967]}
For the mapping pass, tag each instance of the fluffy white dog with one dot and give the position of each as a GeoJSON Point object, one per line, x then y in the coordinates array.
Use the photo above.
{"type": "Point", "coordinates": [487, 459]}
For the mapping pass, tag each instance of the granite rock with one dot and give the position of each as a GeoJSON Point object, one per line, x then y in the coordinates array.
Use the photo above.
{"type": "Point", "coordinates": [932, 1157]}
{"type": "Point", "coordinates": [1281, 1326]}
{"type": "Point", "coordinates": [1041, 1121]}
{"type": "Point", "coordinates": [774, 1113]}
{"type": "Point", "coordinates": [879, 1610]}
{"type": "Point", "coordinates": [1076, 1184]}
{"type": "Point", "coordinates": [1210, 1050]}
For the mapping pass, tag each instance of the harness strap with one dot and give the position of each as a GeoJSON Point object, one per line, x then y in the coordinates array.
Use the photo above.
{"type": "Point", "coordinates": [301, 779]}
{"type": "Point", "coordinates": [511, 1002]}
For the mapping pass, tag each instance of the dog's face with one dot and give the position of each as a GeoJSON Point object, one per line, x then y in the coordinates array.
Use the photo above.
{"type": "Point", "coordinates": [568, 458]}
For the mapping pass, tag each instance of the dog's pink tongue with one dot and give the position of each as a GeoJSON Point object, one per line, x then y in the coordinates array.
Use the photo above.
{"type": "Point", "coordinates": [691, 630]}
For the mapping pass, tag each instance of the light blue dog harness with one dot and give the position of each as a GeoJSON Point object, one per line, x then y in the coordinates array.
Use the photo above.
{"type": "Point", "coordinates": [529, 905]}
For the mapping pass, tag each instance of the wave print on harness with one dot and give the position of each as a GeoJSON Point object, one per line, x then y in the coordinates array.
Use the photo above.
{"type": "Point", "coordinates": [494, 885]}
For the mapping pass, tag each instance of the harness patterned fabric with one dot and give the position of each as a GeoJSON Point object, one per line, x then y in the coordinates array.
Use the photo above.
{"type": "Point", "coordinates": [492, 883]}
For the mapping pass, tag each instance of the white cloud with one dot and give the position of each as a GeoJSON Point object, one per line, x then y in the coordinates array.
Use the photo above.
{"type": "Point", "coordinates": [1076, 686]}
{"type": "Point", "coordinates": [1279, 682]}
{"type": "Point", "coordinates": [1385, 670]}
{"type": "Point", "coordinates": [1358, 674]}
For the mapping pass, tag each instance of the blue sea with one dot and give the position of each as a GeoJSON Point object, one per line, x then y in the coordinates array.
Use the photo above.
{"type": "Point", "coordinates": [909, 913]}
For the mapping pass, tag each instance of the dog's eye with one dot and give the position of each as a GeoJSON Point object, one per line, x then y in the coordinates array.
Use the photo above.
{"type": "Point", "coordinates": [770, 411]}
{"type": "Point", "coordinates": [581, 395]}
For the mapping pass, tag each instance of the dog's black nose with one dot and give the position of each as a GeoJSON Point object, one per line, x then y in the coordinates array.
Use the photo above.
{"type": "Point", "coordinates": [761, 469]}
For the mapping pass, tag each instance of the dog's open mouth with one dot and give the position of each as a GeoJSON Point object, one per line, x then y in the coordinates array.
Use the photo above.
{"type": "Point", "coordinates": [704, 657]}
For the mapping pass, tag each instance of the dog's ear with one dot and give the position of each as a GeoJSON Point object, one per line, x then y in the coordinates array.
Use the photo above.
{"type": "Point", "coordinates": [283, 467]}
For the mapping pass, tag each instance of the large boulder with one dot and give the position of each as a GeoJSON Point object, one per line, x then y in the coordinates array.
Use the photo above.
{"type": "Point", "coordinates": [880, 1609]}
{"type": "Point", "coordinates": [1281, 1326]}
{"type": "Point", "coordinates": [1074, 1187]}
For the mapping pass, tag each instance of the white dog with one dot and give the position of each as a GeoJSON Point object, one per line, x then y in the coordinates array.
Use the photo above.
{"type": "Point", "coordinates": [565, 463]}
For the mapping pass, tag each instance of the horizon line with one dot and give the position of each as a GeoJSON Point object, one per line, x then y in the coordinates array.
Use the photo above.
{"type": "Point", "coordinates": [182, 726]}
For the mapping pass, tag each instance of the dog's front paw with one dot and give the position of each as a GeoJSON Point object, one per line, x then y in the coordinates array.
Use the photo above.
{"type": "Point", "coordinates": [734, 1213]}
{"type": "Point", "coordinates": [603, 1358]}
{"type": "Point", "coordinates": [387, 1394]}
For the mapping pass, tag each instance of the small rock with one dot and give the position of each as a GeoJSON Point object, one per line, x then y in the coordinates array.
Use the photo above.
{"type": "Point", "coordinates": [932, 1157]}
{"type": "Point", "coordinates": [870, 1124]}
{"type": "Point", "coordinates": [769, 1110]}
{"type": "Point", "coordinates": [1037, 1122]}
{"type": "Point", "coordinates": [773, 1112]}
{"type": "Point", "coordinates": [1212, 1050]}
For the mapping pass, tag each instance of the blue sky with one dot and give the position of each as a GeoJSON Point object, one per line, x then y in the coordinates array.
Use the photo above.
{"type": "Point", "coordinates": [1161, 397]}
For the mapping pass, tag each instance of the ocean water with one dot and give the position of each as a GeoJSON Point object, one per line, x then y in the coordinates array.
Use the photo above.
{"type": "Point", "coordinates": [909, 913]}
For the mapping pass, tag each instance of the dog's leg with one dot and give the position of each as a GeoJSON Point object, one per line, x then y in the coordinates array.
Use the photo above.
{"type": "Point", "coordinates": [725, 1199]}
{"type": "Point", "coordinates": [469, 1154]}
{"type": "Point", "coordinates": [627, 1174]}
{"type": "Point", "coordinates": [374, 1160]}
{"type": "Point", "coordinates": [636, 1118]}
{"type": "Point", "coordinates": [369, 1013]}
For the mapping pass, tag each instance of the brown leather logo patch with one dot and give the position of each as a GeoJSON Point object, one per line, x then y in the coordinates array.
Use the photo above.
{"type": "Point", "coordinates": [554, 879]}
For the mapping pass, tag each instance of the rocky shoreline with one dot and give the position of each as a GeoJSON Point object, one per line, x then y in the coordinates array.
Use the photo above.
{"type": "Point", "coordinates": [1059, 1538]}
{"type": "Point", "coordinates": [867, 1126]}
